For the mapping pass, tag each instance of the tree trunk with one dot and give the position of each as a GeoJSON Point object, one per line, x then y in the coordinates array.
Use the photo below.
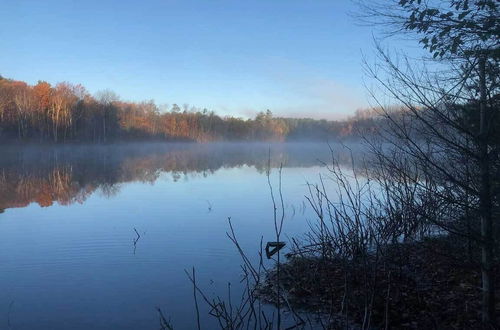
{"type": "Point", "coordinates": [485, 206]}
{"type": "Point", "coordinates": [104, 126]}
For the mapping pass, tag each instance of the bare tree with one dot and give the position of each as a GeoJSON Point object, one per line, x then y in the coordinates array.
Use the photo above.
{"type": "Point", "coordinates": [106, 98]}
{"type": "Point", "coordinates": [446, 128]}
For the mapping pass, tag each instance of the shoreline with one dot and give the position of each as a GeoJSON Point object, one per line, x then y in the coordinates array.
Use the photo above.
{"type": "Point", "coordinates": [416, 285]}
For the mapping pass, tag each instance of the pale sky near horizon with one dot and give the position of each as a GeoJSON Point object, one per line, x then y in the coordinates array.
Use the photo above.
{"type": "Point", "coordinates": [297, 58]}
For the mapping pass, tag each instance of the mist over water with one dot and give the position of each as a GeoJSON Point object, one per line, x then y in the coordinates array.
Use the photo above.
{"type": "Point", "coordinates": [69, 216]}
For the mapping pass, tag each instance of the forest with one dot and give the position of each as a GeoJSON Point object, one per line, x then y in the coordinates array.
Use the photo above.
{"type": "Point", "coordinates": [69, 113]}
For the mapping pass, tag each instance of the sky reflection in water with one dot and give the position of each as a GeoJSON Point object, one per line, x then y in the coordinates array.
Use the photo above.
{"type": "Point", "coordinates": [69, 213]}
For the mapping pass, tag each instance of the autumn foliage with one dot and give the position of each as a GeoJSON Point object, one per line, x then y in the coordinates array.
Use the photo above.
{"type": "Point", "coordinates": [69, 113]}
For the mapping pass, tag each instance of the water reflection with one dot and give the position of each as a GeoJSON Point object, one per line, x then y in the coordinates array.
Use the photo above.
{"type": "Point", "coordinates": [106, 263]}
{"type": "Point", "coordinates": [70, 174]}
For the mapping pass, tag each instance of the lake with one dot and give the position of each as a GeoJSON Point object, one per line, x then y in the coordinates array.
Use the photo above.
{"type": "Point", "coordinates": [98, 237]}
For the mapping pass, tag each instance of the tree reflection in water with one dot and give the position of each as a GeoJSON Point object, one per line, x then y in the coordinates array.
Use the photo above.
{"type": "Point", "coordinates": [71, 173]}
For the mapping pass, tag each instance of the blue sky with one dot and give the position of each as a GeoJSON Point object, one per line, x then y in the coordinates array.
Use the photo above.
{"type": "Point", "coordinates": [297, 58]}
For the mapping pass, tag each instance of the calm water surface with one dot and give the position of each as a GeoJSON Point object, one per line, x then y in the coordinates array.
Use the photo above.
{"type": "Point", "coordinates": [67, 219]}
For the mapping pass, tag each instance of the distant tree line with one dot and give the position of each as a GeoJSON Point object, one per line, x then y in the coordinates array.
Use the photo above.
{"type": "Point", "coordinates": [69, 113]}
